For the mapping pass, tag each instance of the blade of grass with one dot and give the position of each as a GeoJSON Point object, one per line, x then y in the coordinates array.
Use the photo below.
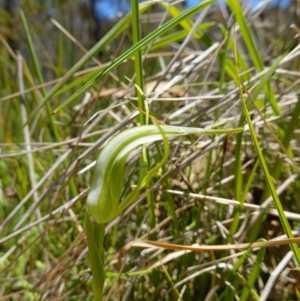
{"type": "Point", "coordinates": [255, 273]}
{"type": "Point", "coordinates": [282, 217]}
{"type": "Point", "coordinates": [26, 133]}
{"type": "Point", "coordinates": [286, 139]}
{"type": "Point", "coordinates": [207, 41]}
{"type": "Point", "coordinates": [176, 36]}
{"type": "Point", "coordinates": [139, 77]}
{"type": "Point", "coordinates": [236, 217]}
{"type": "Point", "coordinates": [229, 64]}
{"type": "Point", "coordinates": [237, 11]}
{"type": "Point", "coordinates": [53, 128]}
{"type": "Point", "coordinates": [228, 294]}
{"type": "Point", "coordinates": [276, 170]}
{"type": "Point", "coordinates": [252, 48]}
{"type": "Point", "coordinates": [186, 24]}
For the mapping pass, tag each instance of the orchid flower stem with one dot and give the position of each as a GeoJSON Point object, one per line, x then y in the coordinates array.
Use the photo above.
{"type": "Point", "coordinates": [95, 237]}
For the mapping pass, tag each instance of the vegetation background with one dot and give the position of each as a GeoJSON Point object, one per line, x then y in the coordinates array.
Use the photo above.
{"type": "Point", "coordinates": [208, 69]}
